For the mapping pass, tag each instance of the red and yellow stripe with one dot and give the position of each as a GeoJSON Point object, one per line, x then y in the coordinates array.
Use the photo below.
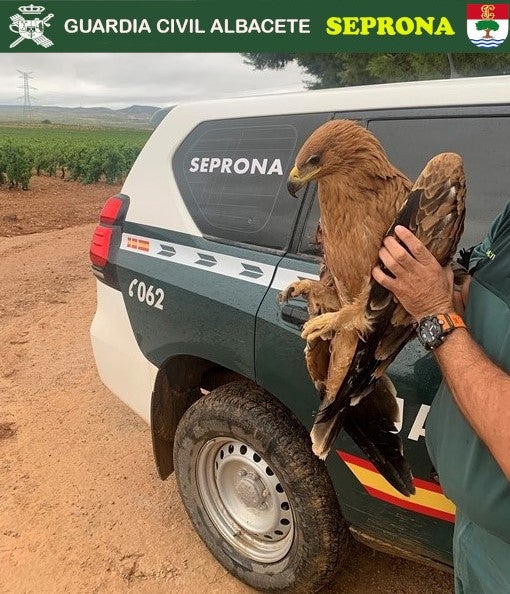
{"type": "Point", "coordinates": [428, 499]}
{"type": "Point", "coordinates": [141, 245]}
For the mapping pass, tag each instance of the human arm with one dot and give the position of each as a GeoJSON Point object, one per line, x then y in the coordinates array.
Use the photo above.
{"type": "Point", "coordinates": [480, 388]}
{"type": "Point", "coordinates": [460, 295]}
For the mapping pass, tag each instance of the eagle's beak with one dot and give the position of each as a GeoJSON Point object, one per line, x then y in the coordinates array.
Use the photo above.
{"type": "Point", "coordinates": [294, 182]}
{"type": "Point", "coordinates": [299, 178]}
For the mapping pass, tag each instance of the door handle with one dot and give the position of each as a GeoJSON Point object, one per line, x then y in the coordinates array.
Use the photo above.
{"type": "Point", "coordinates": [294, 314]}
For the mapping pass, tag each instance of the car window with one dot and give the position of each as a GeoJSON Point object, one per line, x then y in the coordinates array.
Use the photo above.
{"type": "Point", "coordinates": [308, 244]}
{"type": "Point", "coordinates": [481, 141]}
{"type": "Point", "coordinates": [232, 175]}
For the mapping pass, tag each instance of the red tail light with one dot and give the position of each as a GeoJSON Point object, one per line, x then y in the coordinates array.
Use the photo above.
{"type": "Point", "coordinates": [110, 224]}
{"type": "Point", "coordinates": [100, 246]}
{"type": "Point", "coordinates": [110, 211]}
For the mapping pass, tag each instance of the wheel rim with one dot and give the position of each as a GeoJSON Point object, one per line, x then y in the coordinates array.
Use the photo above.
{"type": "Point", "coordinates": [245, 499]}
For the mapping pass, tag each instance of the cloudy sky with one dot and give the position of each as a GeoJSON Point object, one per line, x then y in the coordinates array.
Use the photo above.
{"type": "Point", "coordinates": [120, 80]}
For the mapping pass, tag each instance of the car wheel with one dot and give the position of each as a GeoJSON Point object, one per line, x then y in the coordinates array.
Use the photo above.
{"type": "Point", "coordinates": [261, 501]}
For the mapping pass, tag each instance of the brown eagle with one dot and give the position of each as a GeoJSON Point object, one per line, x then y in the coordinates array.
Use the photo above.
{"type": "Point", "coordinates": [356, 327]}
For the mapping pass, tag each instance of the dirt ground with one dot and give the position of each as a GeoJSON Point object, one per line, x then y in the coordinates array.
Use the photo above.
{"type": "Point", "coordinates": [81, 506]}
{"type": "Point", "coordinates": [50, 203]}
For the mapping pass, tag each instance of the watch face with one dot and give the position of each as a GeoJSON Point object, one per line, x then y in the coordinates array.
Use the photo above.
{"type": "Point", "coordinates": [430, 331]}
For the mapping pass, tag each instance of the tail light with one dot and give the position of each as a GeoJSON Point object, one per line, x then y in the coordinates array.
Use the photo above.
{"type": "Point", "coordinates": [111, 209]}
{"type": "Point", "coordinates": [107, 236]}
{"type": "Point", "coordinates": [100, 246]}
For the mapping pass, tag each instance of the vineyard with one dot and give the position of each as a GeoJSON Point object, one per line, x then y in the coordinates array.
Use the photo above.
{"type": "Point", "coordinates": [84, 155]}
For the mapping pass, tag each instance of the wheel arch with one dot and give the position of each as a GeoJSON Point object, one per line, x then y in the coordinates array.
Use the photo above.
{"type": "Point", "coordinates": [180, 381]}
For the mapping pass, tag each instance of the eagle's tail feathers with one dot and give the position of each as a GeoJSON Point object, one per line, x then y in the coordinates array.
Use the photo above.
{"type": "Point", "coordinates": [324, 433]}
{"type": "Point", "coordinates": [371, 424]}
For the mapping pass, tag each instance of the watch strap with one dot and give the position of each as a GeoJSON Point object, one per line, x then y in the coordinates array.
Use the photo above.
{"type": "Point", "coordinates": [445, 324]}
{"type": "Point", "coordinates": [450, 320]}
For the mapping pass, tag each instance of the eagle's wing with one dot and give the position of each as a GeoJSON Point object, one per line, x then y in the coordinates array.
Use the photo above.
{"type": "Point", "coordinates": [434, 211]}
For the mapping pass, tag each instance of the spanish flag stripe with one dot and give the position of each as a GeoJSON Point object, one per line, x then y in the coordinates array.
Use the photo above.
{"type": "Point", "coordinates": [138, 244]}
{"type": "Point", "coordinates": [362, 463]}
{"type": "Point", "coordinates": [416, 507]}
{"type": "Point", "coordinates": [427, 485]}
{"type": "Point", "coordinates": [350, 459]}
{"type": "Point", "coordinates": [428, 499]}
{"type": "Point", "coordinates": [370, 478]}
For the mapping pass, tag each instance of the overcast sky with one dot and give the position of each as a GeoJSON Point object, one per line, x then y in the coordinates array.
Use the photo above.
{"type": "Point", "coordinates": [120, 80]}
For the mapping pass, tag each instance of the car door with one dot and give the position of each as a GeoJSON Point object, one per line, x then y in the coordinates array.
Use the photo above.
{"type": "Point", "coordinates": [279, 359]}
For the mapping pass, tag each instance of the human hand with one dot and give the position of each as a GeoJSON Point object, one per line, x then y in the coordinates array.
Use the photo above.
{"type": "Point", "coordinates": [421, 284]}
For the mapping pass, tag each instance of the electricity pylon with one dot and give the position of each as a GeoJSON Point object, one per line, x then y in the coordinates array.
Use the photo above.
{"type": "Point", "coordinates": [27, 87]}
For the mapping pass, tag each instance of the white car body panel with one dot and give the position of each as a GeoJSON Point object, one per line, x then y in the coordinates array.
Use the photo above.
{"type": "Point", "coordinates": [121, 364]}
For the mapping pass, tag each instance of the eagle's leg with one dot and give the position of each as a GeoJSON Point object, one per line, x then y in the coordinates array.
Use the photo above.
{"type": "Point", "coordinates": [317, 361]}
{"type": "Point", "coordinates": [320, 297]}
{"type": "Point", "coordinates": [350, 317]}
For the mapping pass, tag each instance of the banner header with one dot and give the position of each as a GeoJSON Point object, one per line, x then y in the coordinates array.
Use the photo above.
{"type": "Point", "coordinates": [258, 26]}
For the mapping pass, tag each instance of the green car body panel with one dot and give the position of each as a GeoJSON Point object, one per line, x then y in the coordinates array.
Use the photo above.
{"type": "Point", "coordinates": [238, 324]}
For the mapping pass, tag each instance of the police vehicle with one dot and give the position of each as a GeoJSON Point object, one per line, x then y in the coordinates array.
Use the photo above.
{"type": "Point", "coordinates": [189, 333]}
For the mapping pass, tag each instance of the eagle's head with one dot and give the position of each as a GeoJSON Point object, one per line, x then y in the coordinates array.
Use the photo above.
{"type": "Point", "coordinates": [338, 147]}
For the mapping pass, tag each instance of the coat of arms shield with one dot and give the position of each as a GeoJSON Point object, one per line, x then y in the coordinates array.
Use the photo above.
{"type": "Point", "coordinates": [487, 24]}
{"type": "Point", "coordinates": [31, 29]}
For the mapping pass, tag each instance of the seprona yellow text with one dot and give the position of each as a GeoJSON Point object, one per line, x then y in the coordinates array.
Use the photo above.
{"type": "Point", "coordinates": [384, 25]}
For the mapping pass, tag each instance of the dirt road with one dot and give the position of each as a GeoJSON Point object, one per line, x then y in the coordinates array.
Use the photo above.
{"type": "Point", "coordinates": [81, 506]}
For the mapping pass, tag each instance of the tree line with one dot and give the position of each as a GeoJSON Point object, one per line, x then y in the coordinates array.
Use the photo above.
{"type": "Point", "coordinates": [342, 70]}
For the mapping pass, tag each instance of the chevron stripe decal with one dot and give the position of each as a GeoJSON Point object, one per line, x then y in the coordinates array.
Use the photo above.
{"type": "Point", "coordinates": [214, 262]}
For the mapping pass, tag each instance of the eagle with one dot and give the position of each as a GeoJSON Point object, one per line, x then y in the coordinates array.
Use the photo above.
{"type": "Point", "coordinates": [356, 327]}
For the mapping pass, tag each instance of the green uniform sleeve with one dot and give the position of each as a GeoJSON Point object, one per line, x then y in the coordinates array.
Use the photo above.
{"type": "Point", "coordinates": [480, 251]}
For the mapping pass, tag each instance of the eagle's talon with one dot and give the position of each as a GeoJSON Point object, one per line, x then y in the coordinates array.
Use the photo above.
{"type": "Point", "coordinates": [323, 327]}
{"type": "Point", "coordinates": [295, 289]}
{"type": "Point", "coordinates": [284, 296]}
{"type": "Point", "coordinates": [352, 318]}
{"type": "Point", "coordinates": [316, 336]}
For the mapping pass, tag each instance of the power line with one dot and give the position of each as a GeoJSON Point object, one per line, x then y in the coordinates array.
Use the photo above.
{"type": "Point", "coordinates": [27, 100]}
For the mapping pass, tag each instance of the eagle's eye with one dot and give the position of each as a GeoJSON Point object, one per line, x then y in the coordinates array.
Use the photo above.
{"type": "Point", "coordinates": [313, 160]}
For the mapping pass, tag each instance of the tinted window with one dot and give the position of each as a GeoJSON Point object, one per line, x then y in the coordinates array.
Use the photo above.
{"type": "Point", "coordinates": [308, 243]}
{"type": "Point", "coordinates": [232, 175]}
{"type": "Point", "coordinates": [483, 143]}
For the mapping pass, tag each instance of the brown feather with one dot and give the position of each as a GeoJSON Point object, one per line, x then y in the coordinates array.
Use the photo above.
{"type": "Point", "coordinates": [360, 193]}
{"type": "Point", "coordinates": [442, 184]}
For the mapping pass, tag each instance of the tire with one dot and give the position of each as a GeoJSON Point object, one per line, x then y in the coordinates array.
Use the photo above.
{"type": "Point", "coordinates": [261, 501]}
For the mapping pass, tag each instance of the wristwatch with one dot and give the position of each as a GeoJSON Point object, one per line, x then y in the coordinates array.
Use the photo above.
{"type": "Point", "coordinates": [433, 330]}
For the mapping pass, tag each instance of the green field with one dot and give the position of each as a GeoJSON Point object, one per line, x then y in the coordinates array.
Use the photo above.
{"type": "Point", "coordinates": [84, 154]}
{"type": "Point", "coordinates": [73, 133]}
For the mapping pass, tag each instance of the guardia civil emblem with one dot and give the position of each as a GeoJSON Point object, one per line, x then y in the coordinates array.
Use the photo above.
{"type": "Point", "coordinates": [487, 24]}
{"type": "Point", "coordinates": [31, 25]}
